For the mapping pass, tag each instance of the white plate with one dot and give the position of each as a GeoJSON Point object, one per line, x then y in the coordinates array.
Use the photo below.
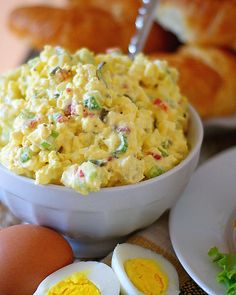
{"type": "Point", "coordinates": [221, 122]}
{"type": "Point", "coordinates": [200, 219]}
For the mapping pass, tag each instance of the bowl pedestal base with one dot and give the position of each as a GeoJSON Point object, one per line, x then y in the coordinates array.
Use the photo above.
{"type": "Point", "coordinates": [93, 249]}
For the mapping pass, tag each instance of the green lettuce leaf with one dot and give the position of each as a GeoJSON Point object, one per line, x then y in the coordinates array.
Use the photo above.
{"type": "Point", "coordinates": [227, 262]}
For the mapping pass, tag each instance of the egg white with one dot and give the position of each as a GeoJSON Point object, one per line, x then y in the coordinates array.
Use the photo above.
{"type": "Point", "coordinates": [127, 251]}
{"type": "Point", "coordinates": [100, 274]}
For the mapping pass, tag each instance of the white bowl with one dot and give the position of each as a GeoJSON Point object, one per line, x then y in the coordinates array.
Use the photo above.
{"type": "Point", "coordinates": [95, 223]}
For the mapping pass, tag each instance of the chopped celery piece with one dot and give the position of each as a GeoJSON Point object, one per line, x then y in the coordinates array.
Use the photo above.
{"type": "Point", "coordinates": [166, 144]}
{"type": "Point", "coordinates": [54, 134]}
{"type": "Point", "coordinates": [163, 152]}
{"type": "Point", "coordinates": [122, 148]}
{"type": "Point", "coordinates": [25, 155]}
{"type": "Point", "coordinates": [25, 114]}
{"type": "Point", "coordinates": [47, 146]}
{"type": "Point", "coordinates": [155, 171]}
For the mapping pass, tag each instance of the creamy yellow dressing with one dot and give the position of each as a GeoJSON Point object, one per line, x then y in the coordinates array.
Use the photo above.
{"type": "Point", "coordinates": [89, 121]}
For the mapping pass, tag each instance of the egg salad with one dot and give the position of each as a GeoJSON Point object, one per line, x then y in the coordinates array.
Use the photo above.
{"type": "Point", "coordinates": [89, 121]}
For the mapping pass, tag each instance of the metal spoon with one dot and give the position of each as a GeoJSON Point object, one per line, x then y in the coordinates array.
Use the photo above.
{"type": "Point", "coordinates": [143, 26]}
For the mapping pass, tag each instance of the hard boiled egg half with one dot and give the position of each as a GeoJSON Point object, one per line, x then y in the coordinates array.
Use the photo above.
{"type": "Point", "coordinates": [142, 271]}
{"type": "Point", "coordinates": [93, 278]}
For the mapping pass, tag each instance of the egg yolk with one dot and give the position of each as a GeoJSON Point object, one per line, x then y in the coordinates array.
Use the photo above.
{"type": "Point", "coordinates": [75, 284]}
{"type": "Point", "coordinates": [147, 276]}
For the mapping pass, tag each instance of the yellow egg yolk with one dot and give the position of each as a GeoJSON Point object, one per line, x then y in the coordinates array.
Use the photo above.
{"type": "Point", "coordinates": [147, 276]}
{"type": "Point", "coordinates": [75, 284]}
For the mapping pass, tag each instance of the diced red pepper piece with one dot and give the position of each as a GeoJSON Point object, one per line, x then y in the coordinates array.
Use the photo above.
{"type": "Point", "coordinates": [73, 109]}
{"type": "Point", "coordinates": [68, 90]}
{"type": "Point", "coordinates": [81, 173]}
{"type": "Point", "coordinates": [87, 114]}
{"type": "Point", "coordinates": [124, 129]}
{"type": "Point", "coordinates": [70, 110]}
{"type": "Point", "coordinates": [158, 102]}
{"type": "Point", "coordinates": [155, 156]}
{"type": "Point", "coordinates": [33, 123]}
{"type": "Point", "coordinates": [61, 119]}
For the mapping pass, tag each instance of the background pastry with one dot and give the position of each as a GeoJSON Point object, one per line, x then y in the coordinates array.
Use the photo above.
{"type": "Point", "coordinates": [85, 25]}
{"type": "Point", "coordinates": [210, 22]}
{"type": "Point", "coordinates": [121, 10]}
{"type": "Point", "coordinates": [207, 76]}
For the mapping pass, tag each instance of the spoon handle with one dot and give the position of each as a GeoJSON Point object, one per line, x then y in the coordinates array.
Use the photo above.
{"type": "Point", "coordinates": [143, 26]}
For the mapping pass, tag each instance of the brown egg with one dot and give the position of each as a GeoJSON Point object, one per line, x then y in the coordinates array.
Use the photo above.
{"type": "Point", "coordinates": [28, 254]}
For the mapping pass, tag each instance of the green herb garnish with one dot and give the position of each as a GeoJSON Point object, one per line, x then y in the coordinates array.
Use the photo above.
{"type": "Point", "coordinates": [57, 95]}
{"type": "Point", "coordinates": [99, 163]}
{"type": "Point", "coordinates": [99, 73]}
{"type": "Point", "coordinates": [127, 95]}
{"type": "Point", "coordinates": [53, 72]}
{"type": "Point", "coordinates": [91, 103]}
{"type": "Point", "coordinates": [122, 148]}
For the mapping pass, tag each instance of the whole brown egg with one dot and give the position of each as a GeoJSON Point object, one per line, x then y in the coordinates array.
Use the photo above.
{"type": "Point", "coordinates": [28, 254]}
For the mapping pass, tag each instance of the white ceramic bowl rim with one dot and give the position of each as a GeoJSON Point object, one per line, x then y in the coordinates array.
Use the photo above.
{"type": "Point", "coordinates": [108, 191]}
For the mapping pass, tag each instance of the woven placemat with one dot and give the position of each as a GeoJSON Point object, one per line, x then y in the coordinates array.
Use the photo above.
{"type": "Point", "coordinates": [156, 238]}
{"type": "Point", "coordinates": [6, 217]}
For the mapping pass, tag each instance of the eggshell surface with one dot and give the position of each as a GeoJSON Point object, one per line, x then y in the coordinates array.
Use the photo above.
{"type": "Point", "coordinates": [28, 254]}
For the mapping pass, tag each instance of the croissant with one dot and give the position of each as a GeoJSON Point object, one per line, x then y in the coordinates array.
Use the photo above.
{"type": "Point", "coordinates": [121, 10]}
{"type": "Point", "coordinates": [207, 76]}
{"type": "Point", "coordinates": [83, 26]}
{"type": "Point", "coordinates": [208, 22]}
